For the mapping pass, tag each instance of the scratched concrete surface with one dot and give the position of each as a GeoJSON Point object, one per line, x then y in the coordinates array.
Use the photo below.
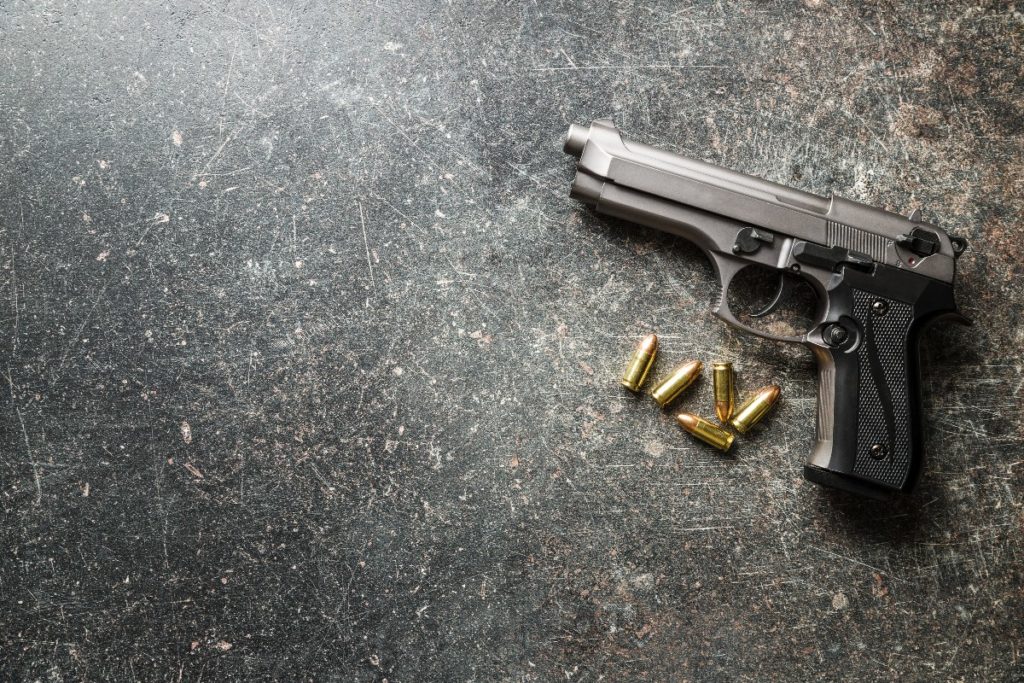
{"type": "Point", "coordinates": [310, 365]}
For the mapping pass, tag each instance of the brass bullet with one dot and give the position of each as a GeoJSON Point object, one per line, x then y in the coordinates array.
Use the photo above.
{"type": "Point", "coordinates": [751, 412]}
{"type": "Point", "coordinates": [676, 383]}
{"type": "Point", "coordinates": [706, 431]}
{"type": "Point", "coordinates": [640, 363]}
{"type": "Point", "coordinates": [725, 391]}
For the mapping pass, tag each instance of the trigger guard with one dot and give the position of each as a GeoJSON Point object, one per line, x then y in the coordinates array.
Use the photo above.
{"type": "Point", "coordinates": [723, 312]}
{"type": "Point", "coordinates": [728, 267]}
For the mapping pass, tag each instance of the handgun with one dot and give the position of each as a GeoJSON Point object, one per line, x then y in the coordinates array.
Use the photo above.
{"type": "Point", "coordinates": [879, 279]}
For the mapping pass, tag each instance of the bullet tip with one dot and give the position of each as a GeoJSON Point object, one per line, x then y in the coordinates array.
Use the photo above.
{"type": "Point", "coordinates": [688, 421]}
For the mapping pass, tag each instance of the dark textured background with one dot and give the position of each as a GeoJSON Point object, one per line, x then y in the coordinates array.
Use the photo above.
{"type": "Point", "coordinates": [310, 365]}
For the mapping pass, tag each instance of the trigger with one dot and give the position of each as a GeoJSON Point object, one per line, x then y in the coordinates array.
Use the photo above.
{"type": "Point", "coordinates": [774, 302]}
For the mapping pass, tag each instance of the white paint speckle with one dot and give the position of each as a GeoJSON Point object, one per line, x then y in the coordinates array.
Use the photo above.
{"type": "Point", "coordinates": [643, 581]}
{"type": "Point", "coordinates": [397, 372]}
{"type": "Point", "coordinates": [186, 431]}
{"type": "Point", "coordinates": [654, 447]}
{"type": "Point", "coordinates": [840, 601]}
{"type": "Point", "coordinates": [103, 255]}
{"type": "Point", "coordinates": [392, 46]}
{"type": "Point", "coordinates": [177, 139]}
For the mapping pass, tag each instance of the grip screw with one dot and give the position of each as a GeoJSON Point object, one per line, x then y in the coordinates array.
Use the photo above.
{"type": "Point", "coordinates": [835, 334]}
{"type": "Point", "coordinates": [878, 451]}
{"type": "Point", "coordinates": [879, 307]}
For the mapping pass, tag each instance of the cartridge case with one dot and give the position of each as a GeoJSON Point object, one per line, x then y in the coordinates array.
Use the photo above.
{"type": "Point", "coordinates": [708, 432]}
{"type": "Point", "coordinates": [751, 412]}
{"type": "Point", "coordinates": [725, 391]}
{"type": "Point", "coordinates": [640, 363]}
{"type": "Point", "coordinates": [676, 383]}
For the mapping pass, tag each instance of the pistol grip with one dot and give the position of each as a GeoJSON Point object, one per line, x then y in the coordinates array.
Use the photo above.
{"type": "Point", "coordinates": [868, 433]}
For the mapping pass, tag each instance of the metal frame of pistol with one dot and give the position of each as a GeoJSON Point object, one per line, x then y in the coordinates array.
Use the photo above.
{"type": "Point", "coordinates": [879, 277]}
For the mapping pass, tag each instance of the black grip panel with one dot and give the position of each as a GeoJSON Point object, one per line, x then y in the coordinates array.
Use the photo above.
{"type": "Point", "coordinates": [869, 421]}
{"type": "Point", "coordinates": [886, 368]}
